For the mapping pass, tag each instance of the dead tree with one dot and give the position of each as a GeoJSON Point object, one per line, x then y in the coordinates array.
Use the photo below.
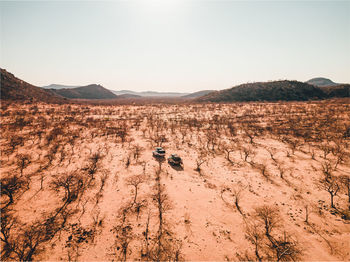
{"type": "Point", "coordinates": [122, 133]}
{"type": "Point", "coordinates": [345, 181]}
{"type": "Point", "coordinates": [124, 236]}
{"type": "Point", "coordinates": [10, 186]}
{"type": "Point", "coordinates": [228, 148]}
{"type": "Point", "coordinates": [255, 234]}
{"type": "Point", "coordinates": [200, 160]}
{"type": "Point", "coordinates": [72, 183]}
{"type": "Point", "coordinates": [286, 248]}
{"type": "Point", "coordinates": [263, 170]}
{"type": "Point", "coordinates": [145, 252]}
{"type": "Point", "coordinates": [331, 185]}
{"type": "Point", "coordinates": [166, 247]}
{"type": "Point", "coordinates": [93, 164]}
{"type": "Point", "coordinates": [269, 216]}
{"type": "Point", "coordinates": [249, 132]}
{"type": "Point", "coordinates": [293, 143]}
{"type": "Point", "coordinates": [327, 168]}
{"type": "Point", "coordinates": [137, 150]}
{"type": "Point", "coordinates": [236, 193]}
{"type": "Point", "coordinates": [265, 220]}
{"type": "Point", "coordinates": [135, 181]}
{"type": "Point", "coordinates": [7, 224]}
{"type": "Point", "coordinates": [16, 141]}
{"type": "Point", "coordinates": [23, 161]}
{"type": "Point", "coordinates": [25, 245]}
{"type": "Point", "coordinates": [211, 139]}
{"type": "Point", "coordinates": [272, 152]}
{"type": "Point", "coordinates": [248, 152]}
{"type": "Point", "coordinates": [128, 160]}
{"type": "Point", "coordinates": [281, 169]}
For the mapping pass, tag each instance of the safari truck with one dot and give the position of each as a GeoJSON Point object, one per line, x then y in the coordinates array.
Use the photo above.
{"type": "Point", "coordinates": [175, 160]}
{"type": "Point", "coordinates": [159, 152]}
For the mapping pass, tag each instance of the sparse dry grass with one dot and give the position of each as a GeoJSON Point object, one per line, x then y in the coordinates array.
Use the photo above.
{"type": "Point", "coordinates": [79, 182]}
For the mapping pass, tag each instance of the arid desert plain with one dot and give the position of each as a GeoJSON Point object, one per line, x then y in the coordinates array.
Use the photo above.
{"type": "Point", "coordinates": [259, 182]}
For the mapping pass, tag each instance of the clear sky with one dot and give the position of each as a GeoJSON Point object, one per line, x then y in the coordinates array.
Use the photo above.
{"type": "Point", "coordinates": [174, 45]}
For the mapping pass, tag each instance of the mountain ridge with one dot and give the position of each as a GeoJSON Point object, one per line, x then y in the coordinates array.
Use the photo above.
{"type": "Point", "coordinates": [58, 86]}
{"type": "Point", "coordinates": [150, 93]}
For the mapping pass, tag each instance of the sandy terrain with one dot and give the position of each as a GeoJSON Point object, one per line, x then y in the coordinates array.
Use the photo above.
{"type": "Point", "coordinates": [80, 182]}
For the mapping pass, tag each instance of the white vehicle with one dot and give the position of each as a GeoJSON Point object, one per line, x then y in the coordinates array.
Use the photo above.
{"type": "Point", "coordinates": [175, 160]}
{"type": "Point", "coordinates": [159, 152]}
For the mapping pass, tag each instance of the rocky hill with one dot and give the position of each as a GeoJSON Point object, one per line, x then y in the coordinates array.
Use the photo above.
{"type": "Point", "coordinates": [13, 88]}
{"type": "Point", "coordinates": [267, 91]}
{"type": "Point", "coordinates": [340, 90]}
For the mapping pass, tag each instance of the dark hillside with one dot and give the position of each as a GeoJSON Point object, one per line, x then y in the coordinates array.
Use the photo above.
{"type": "Point", "coordinates": [267, 91]}
{"type": "Point", "coordinates": [15, 89]}
{"type": "Point", "coordinates": [341, 90]}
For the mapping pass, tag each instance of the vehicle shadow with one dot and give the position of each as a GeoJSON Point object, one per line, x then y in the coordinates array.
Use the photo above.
{"type": "Point", "coordinates": [177, 168]}
{"type": "Point", "coordinates": [159, 159]}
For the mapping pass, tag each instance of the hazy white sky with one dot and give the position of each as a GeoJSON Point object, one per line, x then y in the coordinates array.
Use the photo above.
{"type": "Point", "coordinates": [174, 45]}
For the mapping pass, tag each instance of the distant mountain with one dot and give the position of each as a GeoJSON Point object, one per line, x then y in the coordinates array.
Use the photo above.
{"type": "Point", "coordinates": [266, 91]}
{"type": "Point", "coordinates": [320, 81]}
{"type": "Point", "coordinates": [15, 89]}
{"type": "Point", "coordinates": [85, 92]}
{"type": "Point", "coordinates": [56, 86]}
{"type": "Point", "coordinates": [198, 94]}
{"type": "Point", "coordinates": [149, 93]}
{"type": "Point", "coordinates": [123, 92]}
{"type": "Point", "coordinates": [128, 96]}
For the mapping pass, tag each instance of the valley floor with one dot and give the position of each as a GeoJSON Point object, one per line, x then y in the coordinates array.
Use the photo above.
{"type": "Point", "coordinates": [80, 182]}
